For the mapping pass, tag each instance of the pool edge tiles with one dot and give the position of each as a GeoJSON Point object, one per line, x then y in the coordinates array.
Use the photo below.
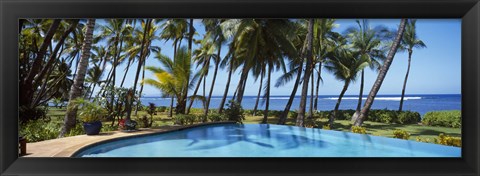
{"type": "Point", "coordinates": [252, 133]}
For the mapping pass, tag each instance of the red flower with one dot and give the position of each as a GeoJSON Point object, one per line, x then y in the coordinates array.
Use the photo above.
{"type": "Point", "coordinates": [121, 123]}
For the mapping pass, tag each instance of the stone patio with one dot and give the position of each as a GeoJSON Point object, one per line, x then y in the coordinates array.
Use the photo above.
{"type": "Point", "coordinates": [66, 147]}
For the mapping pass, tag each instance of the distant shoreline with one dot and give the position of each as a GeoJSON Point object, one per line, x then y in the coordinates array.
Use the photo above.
{"type": "Point", "coordinates": [365, 96]}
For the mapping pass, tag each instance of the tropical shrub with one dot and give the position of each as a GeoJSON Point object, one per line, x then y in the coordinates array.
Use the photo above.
{"type": "Point", "coordinates": [39, 130]}
{"type": "Point", "coordinates": [274, 113]}
{"type": "Point", "coordinates": [151, 110]}
{"type": "Point", "coordinates": [216, 117]}
{"type": "Point", "coordinates": [324, 114]}
{"type": "Point", "coordinates": [375, 115]}
{"type": "Point", "coordinates": [326, 127]}
{"type": "Point", "coordinates": [310, 123]}
{"type": "Point", "coordinates": [449, 140]}
{"type": "Point", "coordinates": [443, 118]}
{"type": "Point", "coordinates": [161, 108]}
{"type": "Point", "coordinates": [234, 112]}
{"type": "Point", "coordinates": [31, 114]}
{"type": "Point", "coordinates": [89, 111]}
{"type": "Point", "coordinates": [185, 119]}
{"type": "Point", "coordinates": [419, 139]}
{"type": "Point", "coordinates": [293, 114]}
{"type": "Point", "coordinates": [401, 134]}
{"type": "Point", "coordinates": [359, 130]}
{"type": "Point", "coordinates": [344, 114]}
{"type": "Point", "coordinates": [408, 117]}
{"type": "Point", "coordinates": [201, 118]}
{"type": "Point", "coordinates": [144, 121]}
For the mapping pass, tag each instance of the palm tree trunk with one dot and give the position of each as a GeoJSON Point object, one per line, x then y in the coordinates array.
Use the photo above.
{"type": "Point", "coordinates": [91, 93]}
{"type": "Point", "coordinates": [310, 113]}
{"type": "Point", "coordinates": [360, 97]}
{"type": "Point", "coordinates": [190, 103]}
{"type": "Point", "coordinates": [141, 90]}
{"type": "Point", "coordinates": [53, 55]}
{"type": "Point", "coordinates": [405, 81]}
{"type": "Point", "coordinates": [48, 68]}
{"type": "Point", "coordinates": [26, 88]}
{"type": "Point", "coordinates": [125, 75]}
{"type": "Point", "coordinates": [76, 66]}
{"type": "Point", "coordinates": [258, 95]}
{"type": "Point", "coordinates": [213, 83]}
{"type": "Point", "coordinates": [381, 76]}
{"type": "Point", "coordinates": [283, 117]}
{"type": "Point", "coordinates": [204, 86]}
{"type": "Point", "coordinates": [267, 103]}
{"type": "Point", "coordinates": [315, 106]}
{"type": "Point", "coordinates": [241, 86]}
{"type": "Point", "coordinates": [170, 113]}
{"type": "Point", "coordinates": [306, 77]}
{"type": "Point", "coordinates": [76, 90]}
{"type": "Point", "coordinates": [139, 66]}
{"type": "Point", "coordinates": [225, 93]}
{"type": "Point", "coordinates": [182, 108]}
{"type": "Point", "coordinates": [337, 105]}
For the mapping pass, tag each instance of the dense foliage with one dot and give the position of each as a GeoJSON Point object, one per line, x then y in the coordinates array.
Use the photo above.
{"type": "Point", "coordinates": [376, 115]}
{"type": "Point", "coordinates": [401, 134]}
{"type": "Point", "coordinates": [359, 130]}
{"type": "Point", "coordinates": [41, 130]}
{"type": "Point", "coordinates": [448, 140]}
{"type": "Point", "coordinates": [234, 112]}
{"type": "Point", "coordinates": [443, 118]}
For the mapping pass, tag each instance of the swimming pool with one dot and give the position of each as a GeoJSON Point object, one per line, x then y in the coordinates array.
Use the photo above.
{"type": "Point", "coordinates": [264, 140]}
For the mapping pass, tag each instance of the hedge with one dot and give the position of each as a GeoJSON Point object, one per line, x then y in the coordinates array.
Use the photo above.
{"type": "Point", "coordinates": [443, 118]}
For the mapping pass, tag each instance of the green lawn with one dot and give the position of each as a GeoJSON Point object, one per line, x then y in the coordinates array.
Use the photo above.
{"type": "Point", "coordinates": [373, 128]}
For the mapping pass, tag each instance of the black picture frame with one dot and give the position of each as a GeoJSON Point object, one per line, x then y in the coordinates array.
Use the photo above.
{"type": "Point", "coordinates": [467, 10]}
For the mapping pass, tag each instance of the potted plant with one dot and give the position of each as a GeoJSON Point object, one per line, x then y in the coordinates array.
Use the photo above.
{"type": "Point", "coordinates": [90, 114]}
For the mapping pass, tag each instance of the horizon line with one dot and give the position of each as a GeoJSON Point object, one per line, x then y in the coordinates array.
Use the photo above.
{"type": "Point", "coordinates": [328, 95]}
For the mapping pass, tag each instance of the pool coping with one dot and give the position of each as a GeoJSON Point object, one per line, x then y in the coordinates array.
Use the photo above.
{"type": "Point", "coordinates": [57, 147]}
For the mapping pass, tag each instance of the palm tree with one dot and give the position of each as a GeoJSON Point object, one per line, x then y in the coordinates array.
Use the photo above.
{"type": "Point", "coordinates": [324, 40]}
{"type": "Point", "coordinates": [174, 29]}
{"type": "Point", "coordinates": [230, 62]}
{"type": "Point", "coordinates": [308, 55]}
{"type": "Point", "coordinates": [173, 76]}
{"type": "Point", "coordinates": [76, 90]}
{"type": "Point", "coordinates": [409, 42]}
{"type": "Point", "coordinates": [213, 28]}
{"type": "Point", "coordinates": [345, 66]}
{"type": "Point", "coordinates": [145, 43]}
{"type": "Point", "coordinates": [262, 40]}
{"type": "Point", "coordinates": [367, 41]}
{"type": "Point", "coordinates": [296, 68]}
{"type": "Point", "coordinates": [381, 76]}
{"type": "Point", "coordinates": [94, 76]}
{"type": "Point", "coordinates": [258, 71]}
{"type": "Point", "coordinates": [27, 87]}
{"type": "Point", "coordinates": [202, 56]}
{"type": "Point", "coordinates": [114, 32]}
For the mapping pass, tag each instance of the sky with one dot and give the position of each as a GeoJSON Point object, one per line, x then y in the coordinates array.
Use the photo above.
{"type": "Point", "coordinates": [435, 69]}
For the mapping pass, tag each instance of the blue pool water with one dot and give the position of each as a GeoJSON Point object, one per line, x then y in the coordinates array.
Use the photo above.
{"type": "Point", "coordinates": [264, 140]}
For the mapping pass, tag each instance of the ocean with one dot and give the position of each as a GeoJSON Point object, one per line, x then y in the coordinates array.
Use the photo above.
{"type": "Point", "coordinates": [419, 103]}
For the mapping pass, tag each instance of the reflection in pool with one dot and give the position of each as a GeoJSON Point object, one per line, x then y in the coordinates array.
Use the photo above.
{"type": "Point", "coordinates": [264, 140]}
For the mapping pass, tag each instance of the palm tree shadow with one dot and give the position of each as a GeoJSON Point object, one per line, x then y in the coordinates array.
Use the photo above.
{"type": "Point", "coordinates": [283, 140]}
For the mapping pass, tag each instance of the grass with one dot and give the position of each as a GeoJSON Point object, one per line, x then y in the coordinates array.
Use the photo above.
{"type": "Point", "coordinates": [373, 128]}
